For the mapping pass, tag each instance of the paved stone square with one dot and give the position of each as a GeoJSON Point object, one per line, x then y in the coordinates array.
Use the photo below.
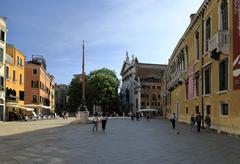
{"type": "Point", "coordinates": [125, 141]}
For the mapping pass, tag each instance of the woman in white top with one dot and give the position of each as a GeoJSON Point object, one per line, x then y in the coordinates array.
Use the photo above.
{"type": "Point", "coordinates": [95, 122]}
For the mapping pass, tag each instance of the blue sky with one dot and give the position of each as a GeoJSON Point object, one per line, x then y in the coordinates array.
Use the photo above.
{"type": "Point", "coordinates": [149, 29]}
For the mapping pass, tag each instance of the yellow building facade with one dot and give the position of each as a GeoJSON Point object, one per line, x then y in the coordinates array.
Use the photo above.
{"type": "Point", "coordinates": [14, 74]}
{"type": "Point", "coordinates": [203, 73]}
{"type": "Point", "coordinates": [3, 38]}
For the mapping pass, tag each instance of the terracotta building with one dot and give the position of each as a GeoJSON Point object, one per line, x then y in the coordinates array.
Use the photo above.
{"type": "Point", "coordinates": [38, 84]}
{"type": "Point", "coordinates": [141, 85]}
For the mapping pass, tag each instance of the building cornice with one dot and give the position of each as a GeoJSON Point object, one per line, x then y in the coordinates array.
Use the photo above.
{"type": "Point", "coordinates": [196, 17]}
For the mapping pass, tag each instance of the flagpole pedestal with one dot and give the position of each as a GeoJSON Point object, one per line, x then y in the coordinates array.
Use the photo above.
{"type": "Point", "coordinates": [82, 117]}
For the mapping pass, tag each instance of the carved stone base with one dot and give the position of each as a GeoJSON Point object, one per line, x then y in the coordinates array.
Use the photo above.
{"type": "Point", "coordinates": [82, 118]}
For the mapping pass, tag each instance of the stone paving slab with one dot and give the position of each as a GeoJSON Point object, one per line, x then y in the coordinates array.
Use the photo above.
{"type": "Point", "coordinates": [125, 141]}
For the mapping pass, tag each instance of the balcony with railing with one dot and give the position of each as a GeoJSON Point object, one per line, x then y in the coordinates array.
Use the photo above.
{"type": "Point", "coordinates": [219, 43]}
{"type": "Point", "coordinates": [177, 78]}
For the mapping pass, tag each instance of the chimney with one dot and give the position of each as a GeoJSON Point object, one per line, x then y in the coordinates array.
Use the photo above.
{"type": "Point", "coordinates": [192, 17]}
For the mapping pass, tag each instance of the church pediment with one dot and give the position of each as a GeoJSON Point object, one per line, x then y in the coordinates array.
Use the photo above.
{"type": "Point", "coordinates": [125, 67]}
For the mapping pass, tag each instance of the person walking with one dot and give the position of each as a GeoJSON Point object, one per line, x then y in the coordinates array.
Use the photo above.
{"type": "Point", "coordinates": [192, 125]}
{"type": "Point", "coordinates": [95, 121]}
{"type": "Point", "coordinates": [137, 116]}
{"type": "Point", "coordinates": [104, 119]}
{"type": "Point", "coordinates": [173, 120]}
{"type": "Point", "coordinates": [132, 116]}
{"type": "Point", "coordinates": [148, 116]}
{"type": "Point", "coordinates": [198, 119]}
{"type": "Point", "coordinates": [208, 122]}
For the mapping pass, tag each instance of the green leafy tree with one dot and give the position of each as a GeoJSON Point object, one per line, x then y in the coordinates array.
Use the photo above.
{"type": "Point", "coordinates": [75, 94]}
{"type": "Point", "coordinates": [102, 89]}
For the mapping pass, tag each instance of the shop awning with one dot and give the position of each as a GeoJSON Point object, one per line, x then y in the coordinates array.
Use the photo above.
{"type": "Point", "coordinates": [36, 106]}
{"type": "Point", "coordinates": [20, 107]}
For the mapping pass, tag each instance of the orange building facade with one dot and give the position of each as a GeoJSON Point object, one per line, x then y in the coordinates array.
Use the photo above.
{"type": "Point", "coordinates": [38, 86]}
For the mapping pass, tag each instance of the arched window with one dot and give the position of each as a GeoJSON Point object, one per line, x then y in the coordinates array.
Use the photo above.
{"type": "Point", "coordinates": [208, 32]}
{"type": "Point", "coordinates": [224, 15]}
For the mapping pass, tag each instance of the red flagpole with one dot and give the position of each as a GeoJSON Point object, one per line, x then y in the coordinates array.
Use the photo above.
{"type": "Point", "coordinates": [83, 75]}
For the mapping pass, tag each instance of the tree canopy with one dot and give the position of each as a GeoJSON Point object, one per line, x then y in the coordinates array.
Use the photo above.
{"type": "Point", "coordinates": [102, 88]}
{"type": "Point", "coordinates": [75, 94]}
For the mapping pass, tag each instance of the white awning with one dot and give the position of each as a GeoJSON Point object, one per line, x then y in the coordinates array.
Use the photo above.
{"type": "Point", "coordinates": [20, 107]}
{"type": "Point", "coordinates": [148, 110]}
{"type": "Point", "coordinates": [36, 106]}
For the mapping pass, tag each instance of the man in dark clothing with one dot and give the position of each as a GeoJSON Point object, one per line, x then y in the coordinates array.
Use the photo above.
{"type": "Point", "coordinates": [173, 120]}
{"type": "Point", "coordinates": [208, 122]}
{"type": "Point", "coordinates": [198, 119]}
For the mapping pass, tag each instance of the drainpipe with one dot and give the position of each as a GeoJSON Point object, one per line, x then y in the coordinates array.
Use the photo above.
{"type": "Point", "coordinates": [202, 102]}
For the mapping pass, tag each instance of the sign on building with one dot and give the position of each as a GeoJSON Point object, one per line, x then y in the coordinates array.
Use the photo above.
{"type": "Point", "coordinates": [236, 44]}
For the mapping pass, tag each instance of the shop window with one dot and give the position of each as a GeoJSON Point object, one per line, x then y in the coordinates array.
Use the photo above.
{"type": "Point", "coordinates": [21, 95]}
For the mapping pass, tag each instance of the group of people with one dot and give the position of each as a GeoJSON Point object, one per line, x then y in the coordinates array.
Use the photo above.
{"type": "Point", "coordinates": [96, 120]}
{"type": "Point", "coordinates": [196, 122]}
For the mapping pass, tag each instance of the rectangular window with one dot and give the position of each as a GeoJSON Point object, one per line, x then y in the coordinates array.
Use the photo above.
{"type": "Point", "coordinates": [34, 71]}
{"type": "Point", "coordinates": [1, 55]}
{"type": "Point", "coordinates": [146, 96]}
{"type": "Point", "coordinates": [223, 75]}
{"type": "Point", "coordinates": [224, 109]}
{"type": "Point", "coordinates": [154, 97]}
{"type": "Point", "coordinates": [21, 95]}
{"type": "Point", "coordinates": [152, 103]}
{"type": "Point", "coordinates": [142, 95]}
{"type": "Point", "coordinates": [20, 78]}
{"type": "Point", "coordinates": [7, 72]}
{"type": "Point", "coordinates": [196, 84]}
{"type": "Point", "coordinates": [158, 103]}
{"type": "Point", "coordinates": [186, 89]}
{"type": "Point", "coordinates": [34, 98]}
{"type": "Point", "coordinates": [153, 87]}
{"type": "Point", "coordinates": [186, 110]}
{"type": "Point", "coordinates": [136, 103]}
{"type": "Point", "coordinates": [207, 32]}
{"type": "Point", "coordinates": [197, 45]}
{"type": "Point", "coordinates": [18, 61]}
{"type": "Point", "coordinates": [34, 84]}
{"type": "Point", "coordinates": [2, 36]}
{"type": "Point", "coordinates": [14, 76]}
{"type": "Point", "coordinates": [155, 103]}
{"type": "Point", "coordinates": [159, 96]}
{"type": "Point", "coordinates": [208, 109]}
{"type": "Point", "coordinates": [207, 80]}
{"type": "Point", "coordinates": [1, 83]}
{"type": "Point", "coordinates": [143, 103]}
{"type": "Point", "coordinates": [147, 103]}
